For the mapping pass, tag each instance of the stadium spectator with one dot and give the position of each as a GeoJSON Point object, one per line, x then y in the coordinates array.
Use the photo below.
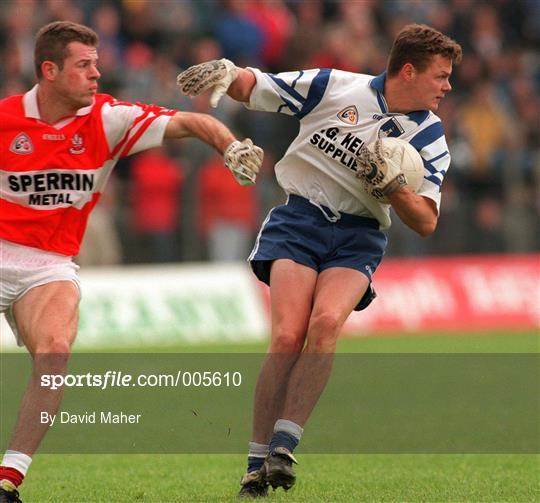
{"type": "Point", "coordinates": [487, 225]}
{"type": "Point", "coordinates": [62, 140]}
{"type": "Point", "coordinates": [156, 184]}
{"type": "Point", "coordinates": [486, 126]}
{"type": "Point", "coordinates": [101, 245]}
{"type": "Point", "coordinates": [227, 213]}
{"type": "Point", "coordinates": [139, 78]}
{"type": "Point", "coordinates": [305, 39]}
{"type": "Point", "coordinates": [240, 37]}
{"type": "Point", "coordinates": [318, 251]}
{"type": "Point", "coordinates": [106, 23]}
{"type": "Point", "coordinates": [276, 24]}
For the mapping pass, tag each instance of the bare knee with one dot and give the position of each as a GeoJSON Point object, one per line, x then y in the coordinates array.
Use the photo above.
{"type": "Point", "coordinates": [286, 341]}
{"type": "Point", "coordinates": [51, 356]}
{"type": "Point", "coordinates": [53, 345]}
{"type": "Point", "coordinates": [323, 331]}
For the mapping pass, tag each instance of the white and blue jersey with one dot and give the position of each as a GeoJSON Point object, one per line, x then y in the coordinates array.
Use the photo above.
{"type": "Point", "coordinates": [339, 112]}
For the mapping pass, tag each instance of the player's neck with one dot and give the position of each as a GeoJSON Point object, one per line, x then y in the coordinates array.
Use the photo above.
{"type": "Point", "coordinates": [52, 108]}
{"type": "Point", "coordinates": [397, 97]}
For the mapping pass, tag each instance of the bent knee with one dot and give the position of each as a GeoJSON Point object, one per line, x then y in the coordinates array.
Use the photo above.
{"type": "Point", "coordinates": [51, 356]}
{"type": "Point", "coordinates": [323, 332]}
{"type": "Point", "coordinates": [53, 345]}
{"type": "Point", "coordinates": [287, 341]}
{"type": "Point", "coordinates": [325, 324]}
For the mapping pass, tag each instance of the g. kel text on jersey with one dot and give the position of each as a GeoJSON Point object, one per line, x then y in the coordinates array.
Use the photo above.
{"type": "Point", "coordinates": [342, 148]}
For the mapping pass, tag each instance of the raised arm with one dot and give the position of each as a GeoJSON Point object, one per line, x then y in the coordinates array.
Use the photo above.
{"type": "Point", "coordinates": [222, 76]}
{"type": "Point", "coordinates": [240, 89]}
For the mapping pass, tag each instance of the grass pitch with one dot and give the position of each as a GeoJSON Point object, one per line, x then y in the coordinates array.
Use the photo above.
{"type": "Point", "coordinates": [325, 478]}
{"type": "Point", "coordinates": [328, 478]}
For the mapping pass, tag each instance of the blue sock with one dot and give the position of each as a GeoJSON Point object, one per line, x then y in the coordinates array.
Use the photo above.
{"type": "Point", "coordinates": [283, 439]}
{"type": "Point", "coordinates": [257, 453]}
{"type": "Point", "coordinates": [286, 434]}
{"type": "Point", "coordinates": [254, 463]}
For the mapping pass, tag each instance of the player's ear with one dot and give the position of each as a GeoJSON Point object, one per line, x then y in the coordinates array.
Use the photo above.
{"type": "Point", "coordinates": [49, 70]}
{"type": "Point", "coordinates": [408, 71]}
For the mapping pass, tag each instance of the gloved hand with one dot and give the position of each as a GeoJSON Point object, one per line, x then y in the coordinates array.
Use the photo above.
{"type": "Point", "coordinates": [380, 170]}
{"type": "Point", "coordinates": [218, 74]}
{"type": "Point", "coordinates": [244, 160]}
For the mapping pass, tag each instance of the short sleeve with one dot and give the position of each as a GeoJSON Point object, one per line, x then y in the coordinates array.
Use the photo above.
{"type": "Point", "coordinates": [292, 93]}
{"type": "Point", "coordinates": [432, 146]}
{"type": "Point", "coordinates": [134, 127]}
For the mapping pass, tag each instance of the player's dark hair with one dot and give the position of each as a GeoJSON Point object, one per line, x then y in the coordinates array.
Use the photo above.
{"type": "Point", "coordinates": [52, 41]}
{"type": "Point", "coordinates": [417, 44]}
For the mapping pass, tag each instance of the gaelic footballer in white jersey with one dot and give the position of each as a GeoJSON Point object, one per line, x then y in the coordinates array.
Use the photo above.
{"type": "Point", "coordinates": [338, 113]}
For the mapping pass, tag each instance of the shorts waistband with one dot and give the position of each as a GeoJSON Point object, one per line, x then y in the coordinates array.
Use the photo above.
{"type": "Point", "coordinates": [300, 202]}
{"type": "Point", "coordinates": [22, 254]}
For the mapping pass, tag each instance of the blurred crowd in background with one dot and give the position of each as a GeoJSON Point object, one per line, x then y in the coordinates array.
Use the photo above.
{"type": "Point", "coordinates": [179, 203]}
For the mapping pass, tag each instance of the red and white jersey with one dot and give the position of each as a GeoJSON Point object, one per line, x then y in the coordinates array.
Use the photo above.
{"type": "Point", "coordinates": [51, 176]}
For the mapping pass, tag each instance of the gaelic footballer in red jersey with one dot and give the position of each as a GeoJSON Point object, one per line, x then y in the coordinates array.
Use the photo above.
{"type": "Point", "coordinates": [58, 145]}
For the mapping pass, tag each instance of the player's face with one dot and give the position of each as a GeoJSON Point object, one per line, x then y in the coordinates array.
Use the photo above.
{"type": "Point", "coordinates": [77, 81]}
{"type": "Point", "coordinates": [431, 85]}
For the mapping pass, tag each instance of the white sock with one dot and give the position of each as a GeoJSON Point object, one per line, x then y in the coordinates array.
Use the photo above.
{"type": "Point", "coordinates": [18, 460]}
{"type": "Point", "coordinates": [289, 427]}
{"type": "Point", "coordinates": [257, 450]}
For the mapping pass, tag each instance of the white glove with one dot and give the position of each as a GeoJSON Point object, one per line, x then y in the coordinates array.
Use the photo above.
{"type": "Point", "coordinates": [244, 160]}
{"type": "Point", "coordinates": [218, 74]}
{"type": "Point", "coordinates": [380, 170]}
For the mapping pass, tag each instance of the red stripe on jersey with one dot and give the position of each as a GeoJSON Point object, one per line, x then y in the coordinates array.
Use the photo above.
{"type": "Point", "coordinates": [126, 136]}
{"type": "Point", "coordinates": [129, 139]}
{"type": "Point", "coordinates": [136, 136]}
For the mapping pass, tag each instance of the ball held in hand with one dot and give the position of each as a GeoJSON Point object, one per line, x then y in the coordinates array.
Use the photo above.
{"type": "Point", "coordinates": [391, 163]}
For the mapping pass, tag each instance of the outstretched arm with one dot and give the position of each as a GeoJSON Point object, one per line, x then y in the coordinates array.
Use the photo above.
{"type": "Point", "coordinates": [201, 126]}
{"type": "Point", "coordinates": [242, 157]}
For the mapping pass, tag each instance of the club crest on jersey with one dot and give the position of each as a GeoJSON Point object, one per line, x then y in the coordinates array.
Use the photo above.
{"type": "Point", "coordinates": [22, 144]}
{"type": "Point", "coordinates": [78, 144]}
{"type": "Point", "coordinates": [391, 128]}
{"type": "Point", "coordinates": [349, 115]}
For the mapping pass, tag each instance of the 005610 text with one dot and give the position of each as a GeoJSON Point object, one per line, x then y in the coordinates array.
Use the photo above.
{"type": "Point", "coordinates": [119, 379]}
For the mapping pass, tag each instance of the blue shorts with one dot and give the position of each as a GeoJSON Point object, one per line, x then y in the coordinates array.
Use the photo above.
{"type": "Point", "coordinates": [300, 231]}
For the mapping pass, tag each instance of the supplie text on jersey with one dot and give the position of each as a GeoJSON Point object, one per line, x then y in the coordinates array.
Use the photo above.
{"type": "Point", "coordinates": [343, 149]}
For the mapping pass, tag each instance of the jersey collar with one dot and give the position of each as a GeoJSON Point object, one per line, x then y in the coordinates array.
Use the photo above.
{"type": "Point", "coordinates": [31, 109]}
{"type": "Point", "coordinates": [377, 83]}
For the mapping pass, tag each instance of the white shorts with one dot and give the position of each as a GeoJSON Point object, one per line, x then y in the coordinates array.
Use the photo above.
{"type": "Point", "coordinates": [23, 268]}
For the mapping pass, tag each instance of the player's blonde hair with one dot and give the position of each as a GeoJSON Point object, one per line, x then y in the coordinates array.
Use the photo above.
{"type": "Point", "coordinates": [417, 44]}
{"type": "Point", "coordinates": [52, 41]}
